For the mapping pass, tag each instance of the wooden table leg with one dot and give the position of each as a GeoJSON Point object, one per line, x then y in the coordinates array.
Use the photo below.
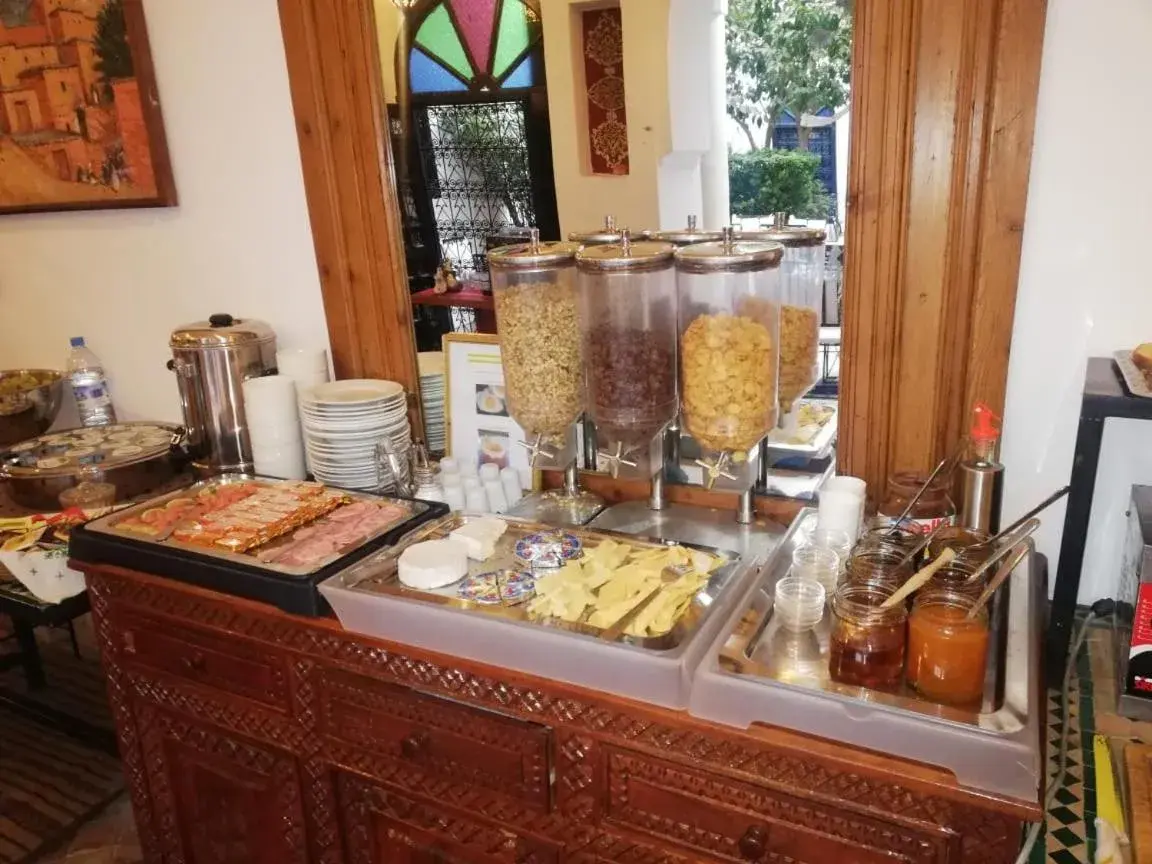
{"type": "Point", "coordinates": [29, 654]}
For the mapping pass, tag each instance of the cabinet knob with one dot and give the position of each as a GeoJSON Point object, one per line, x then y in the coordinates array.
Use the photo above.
{"type": "Point", "coordinates": [414, 745]}
{"type": "Point", "coordinates": [754, 843]}
{"type": "Point", "coordinates": [195, 662]}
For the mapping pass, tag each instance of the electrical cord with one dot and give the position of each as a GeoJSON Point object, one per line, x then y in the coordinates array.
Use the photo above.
{"type": "Point", "coordinates": [1100, 609]}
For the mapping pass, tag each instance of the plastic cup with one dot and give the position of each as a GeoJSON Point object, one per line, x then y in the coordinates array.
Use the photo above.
{"type": "Point", "coordinates": [817, 564]}
{"type": "Point", "coordinates": [799, 603]}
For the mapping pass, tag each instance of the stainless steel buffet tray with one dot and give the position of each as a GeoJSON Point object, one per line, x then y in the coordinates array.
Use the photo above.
{"type": "Point", "coordinates": [378, 574]}
{"type": "Point", "coordinates": [108, 526]}
{"type": "Point", "coordinates": [757, 673]}
{"type": "Point", "coordinates": [821, 443]}
{"type": "Point", "coordinates": [368, 599]}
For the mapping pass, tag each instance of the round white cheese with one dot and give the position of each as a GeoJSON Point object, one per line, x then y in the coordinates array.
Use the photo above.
{"type": "Point", "coordinates": [433, 564]}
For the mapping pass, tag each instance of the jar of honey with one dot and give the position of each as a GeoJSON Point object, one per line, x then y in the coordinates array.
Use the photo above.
{"type": "Point", "coordinates": [883, 564]}
{"type": "Point", "coordinates": [903, 540]}
{"type": "Point", "coordinates": [961, 540]}
{"type": "Point", "coordinates": [867, 644]}
{"type": "Point", "coordinates": [932, 508]}
{"type": "Point", "coordinates": [947, 653]}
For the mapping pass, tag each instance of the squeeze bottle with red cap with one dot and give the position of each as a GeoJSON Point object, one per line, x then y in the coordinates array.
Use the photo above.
{"type": "Point", "coordinates": [980, 477]}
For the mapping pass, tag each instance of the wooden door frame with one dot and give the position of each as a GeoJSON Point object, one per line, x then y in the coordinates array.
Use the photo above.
{"type": "Point", "coordinates": [944, 100]}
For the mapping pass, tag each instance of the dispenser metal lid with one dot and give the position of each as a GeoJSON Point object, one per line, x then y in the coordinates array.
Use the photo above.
{"type": "Point", "coordinates": [222, 331]}
{"type": "Point", "coordinates": [625, 256]}
{"type": "Point", "coordinates": [534, 253]}
{"type": "Point", "coordinates": [608, 233]}
{"type": "Point", "coordinates": [685, 236]}
{"type": "Point", "coordinates": [728, 256]}
{"type": "Point", "coordinates": [789, 235]}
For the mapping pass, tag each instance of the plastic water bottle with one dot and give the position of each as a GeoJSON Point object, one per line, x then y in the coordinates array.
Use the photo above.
{"type": "Point", "coordinates": [89, 386]}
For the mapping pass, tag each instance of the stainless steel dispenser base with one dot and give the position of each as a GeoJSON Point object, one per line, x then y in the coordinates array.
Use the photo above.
{"type": "Point", "coordinates": [684, 523]}
{"type": "Point", "coordinates": [558, 507]}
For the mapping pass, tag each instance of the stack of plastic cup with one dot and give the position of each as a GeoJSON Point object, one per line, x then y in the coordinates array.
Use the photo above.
{"type": "Point", "coordinates": [799, 603]}
{"type": "Point", "coordinates": [453, 491]}
{"type": "Point", "coordinates": [274, 427]}
{"type": "Point", "coordinates": [819, 565]}
{"type": "Point", "coordinates": [493, 488]}
{"type": "Point", "coordinates": [308, 367]}
{"type": "Point", "coordinates": [475, 499]}
{"type": "Point", "coordinates": [510, 479]}
{"type": "Point", "coordinates": [842, 505]}
{"type": "Point", "coordinates": [838, 541]}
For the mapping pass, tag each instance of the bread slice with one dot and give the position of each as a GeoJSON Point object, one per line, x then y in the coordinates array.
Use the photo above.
{"type": "Point", "coordinates": [1142, 358]}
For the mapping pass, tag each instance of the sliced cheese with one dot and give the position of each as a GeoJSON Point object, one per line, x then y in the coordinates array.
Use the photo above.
{"type": "Point", "coordinates": [479, 537]}
{"type": "Point", "coordinates": [433, 564]}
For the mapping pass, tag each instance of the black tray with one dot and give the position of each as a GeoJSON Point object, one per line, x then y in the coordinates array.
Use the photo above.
{"type": "Point", "coordinates": [294, 594]}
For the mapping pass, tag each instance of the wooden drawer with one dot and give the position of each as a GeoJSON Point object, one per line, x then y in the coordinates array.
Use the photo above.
{"type": "Point", "coordinates": [383, 827]}
{"type": "Point", "coordinates": [468, 747]}
{"type": "Point", "coordinates": [231, 665]}
{"type": "Point", "coordinates": [734, 821]}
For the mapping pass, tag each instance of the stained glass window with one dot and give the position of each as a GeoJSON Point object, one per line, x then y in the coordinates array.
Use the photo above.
{"type": "Point", "coordinates": [481, 45]}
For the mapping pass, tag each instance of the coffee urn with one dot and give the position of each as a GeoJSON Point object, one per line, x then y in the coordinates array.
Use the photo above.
{"type": "Point", "coordinates": [211, 360]}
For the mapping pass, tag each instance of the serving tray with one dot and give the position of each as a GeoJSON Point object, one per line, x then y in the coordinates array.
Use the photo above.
{"type": "Point", "coordinates": [1133, 377]}
{"type": "Point", "coordinates": [291, 588]}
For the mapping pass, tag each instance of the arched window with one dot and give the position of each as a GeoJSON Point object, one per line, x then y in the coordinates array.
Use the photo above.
{"type": "Point", "coordinates": [476, 46]}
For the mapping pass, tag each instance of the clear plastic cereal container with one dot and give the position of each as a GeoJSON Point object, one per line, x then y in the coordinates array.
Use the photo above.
{"type": "Point", "coordinates": [537, 317]}
{"type": "Point", "coordinates": [628, 315]}
{"type": "Point", "coordinates": [802, 290]}
{"type": "Point", "coordinates": [729, 342]}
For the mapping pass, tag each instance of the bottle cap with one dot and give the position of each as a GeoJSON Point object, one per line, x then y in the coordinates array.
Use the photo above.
{"type": "Point", "coordinates": [77, 341]}
{"type": "Point", "coordinates": [984, 422]}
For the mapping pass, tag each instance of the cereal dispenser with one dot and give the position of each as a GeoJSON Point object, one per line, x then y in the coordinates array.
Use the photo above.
{"type": "Point", "coordinates": [802, 290]}
{"type": "Point", "coordinates": [729, 356]}
{"type": "Point", "coordinates": [628, 315]}
{"type": "Point", "coordinates": [542, 352]}
{"type": "Point", "coordinates": [607, 233]}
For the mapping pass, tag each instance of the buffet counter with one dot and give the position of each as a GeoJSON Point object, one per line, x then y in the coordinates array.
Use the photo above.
{"type": "Point", "coordinates": [249, 734]}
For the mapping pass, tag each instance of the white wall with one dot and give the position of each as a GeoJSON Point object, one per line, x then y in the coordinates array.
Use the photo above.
{"type": "Point", "coordinates": [1084, 289]}
{"type": "Point", "coordinates": [239, 242]}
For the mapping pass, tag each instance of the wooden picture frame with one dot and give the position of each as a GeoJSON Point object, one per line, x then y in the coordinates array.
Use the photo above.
{"type": "Point", "coordinates": [477, 387]}
{"type": "Point", "coordinates": [80, 121]}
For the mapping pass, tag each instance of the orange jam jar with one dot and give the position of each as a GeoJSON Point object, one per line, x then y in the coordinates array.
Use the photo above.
{"type": "Point", "coordinates": [961, 540]}
{"type": "Point", "coordinates": [947, 653]}
{"type": "Point", "coordinates": [954, 577]}
{"type": "Point", "coordinates": [867, 643]}
{"type": "Point", "coordinates": [878, 564]}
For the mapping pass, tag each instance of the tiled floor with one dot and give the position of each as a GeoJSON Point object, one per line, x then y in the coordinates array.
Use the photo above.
{"type": "Point", "coordinates": [110, 839]}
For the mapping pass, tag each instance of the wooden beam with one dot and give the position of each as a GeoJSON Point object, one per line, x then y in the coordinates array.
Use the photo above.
{"type": "Point", "coordinates": [944, 100]}
{"type": "Point", "coordinates": [337, 97]}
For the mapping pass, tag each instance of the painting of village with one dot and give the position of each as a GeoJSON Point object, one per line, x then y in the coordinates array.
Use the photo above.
{"type": "Point", "coordinates": [79, 122]}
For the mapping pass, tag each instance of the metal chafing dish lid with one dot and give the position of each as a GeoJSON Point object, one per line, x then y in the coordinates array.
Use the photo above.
{"type": "Point", "coordinates": [685, 236]}
{"type": "Point", "coordinates": [532, 254]}
{"type": "Point", "coordinates": [729, 255]}
{"type": "Point", "coordinates": [608, 233]}
{"type": "Point", "coordinates": [625, 255]}
{"type": "Point", "coordinates": [221, 331]}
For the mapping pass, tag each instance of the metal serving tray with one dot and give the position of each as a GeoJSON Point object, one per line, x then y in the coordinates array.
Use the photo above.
{"type": "Point", "coordinates": [378, 574]}
{"type": "Point", "coordinates": [820, 445]}
{"type": "Point", "coordinates": [368, 599]}
{"type": "Point", "coordinates": [758, 672]}
{"type": "Point", "coordinates": [292, 589]}
{"type": "Point", "coordinates": [108, 525]}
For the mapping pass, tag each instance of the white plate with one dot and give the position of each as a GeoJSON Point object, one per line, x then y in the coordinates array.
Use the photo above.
{"type": "Point", "coordinates": [1133, 377]}
{"type": "Point", "coordinates": [352, 391]}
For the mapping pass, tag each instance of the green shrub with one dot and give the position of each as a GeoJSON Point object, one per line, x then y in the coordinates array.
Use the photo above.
{"type": "Point", "coordinates": [770, 181]}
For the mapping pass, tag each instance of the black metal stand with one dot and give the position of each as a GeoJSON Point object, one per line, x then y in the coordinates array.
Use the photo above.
{"type": "Point", "coordinates": [1105, 395]}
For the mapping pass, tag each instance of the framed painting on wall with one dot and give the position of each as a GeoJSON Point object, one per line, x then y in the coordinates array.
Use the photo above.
{"type": "Point", "coordinates": [80, 123]}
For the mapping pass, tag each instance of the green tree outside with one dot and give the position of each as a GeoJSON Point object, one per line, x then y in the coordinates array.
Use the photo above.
{"type": "Point", "coordinates": [113, 53]}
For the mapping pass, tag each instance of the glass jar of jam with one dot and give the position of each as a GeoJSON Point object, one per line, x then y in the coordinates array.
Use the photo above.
{"type": "Point", "coordinates": [933, 507]}
{"type": "Point", "coordinates": [954, 577]}
{"type": "Point", "coordinates": [947, 653]}
{"type": "Point", "coordinates": [867, 643]}
{"type": "Point", "coordinates": [881, 564]}
{"type": "Point", "coordinates": [903, 539]}
{"type": "Point", "coordinates": [961, 540]}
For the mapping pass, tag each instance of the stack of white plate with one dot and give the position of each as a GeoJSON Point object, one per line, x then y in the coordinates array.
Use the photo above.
{"type": "Point", "coordinates": [343, 421]}
{"type": "Point", "coordinates": [431, 364]}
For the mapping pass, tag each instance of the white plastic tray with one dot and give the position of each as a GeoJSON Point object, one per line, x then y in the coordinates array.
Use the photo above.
{"type": "Point", "coordinates": [659, 677]}
{"type": "Point", "coordinates": [1000, 753]}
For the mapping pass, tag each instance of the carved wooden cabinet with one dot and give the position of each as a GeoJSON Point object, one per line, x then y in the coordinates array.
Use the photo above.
{"type": "Point", "coordinates": [249, 735]}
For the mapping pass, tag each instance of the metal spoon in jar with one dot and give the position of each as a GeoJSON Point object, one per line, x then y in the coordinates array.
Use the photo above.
{"type": "Point", "coordinates": [1035, 511]}
{"type": "Point", "coordinates": [922, 545]}
{"type": "Point", "coordinates": [920, 492]}
{"type": "Point", "coordinates": [1021, 549]}
{"type": "Point", "coordinates": [1022, 533]}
